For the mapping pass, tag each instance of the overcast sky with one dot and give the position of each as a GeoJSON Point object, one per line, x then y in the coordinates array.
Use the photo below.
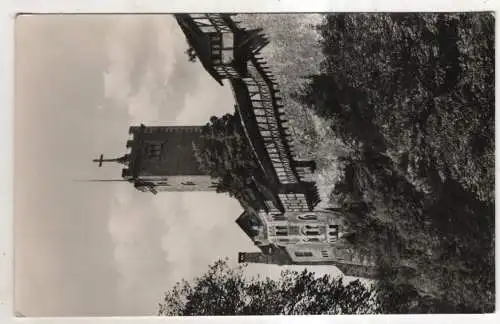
{"type": "Point", "coordinates": [85, 249]}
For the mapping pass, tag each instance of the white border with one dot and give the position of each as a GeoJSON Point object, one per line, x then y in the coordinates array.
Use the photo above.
{"type": "Point", "coordinates": [156, 6]}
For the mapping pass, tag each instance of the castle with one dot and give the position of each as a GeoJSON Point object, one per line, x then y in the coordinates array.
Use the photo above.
{"type": "Point", "coordinates": [288, 228]}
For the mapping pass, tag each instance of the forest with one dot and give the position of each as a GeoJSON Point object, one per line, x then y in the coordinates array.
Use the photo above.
{"type": "Point", "coordinates": [412, 97]}
{"type": "Point", "coordinates": [398, 111]}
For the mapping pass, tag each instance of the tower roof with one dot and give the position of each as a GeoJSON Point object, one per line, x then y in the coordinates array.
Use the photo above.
{"type": "Point", "coordinates": [247, 220]}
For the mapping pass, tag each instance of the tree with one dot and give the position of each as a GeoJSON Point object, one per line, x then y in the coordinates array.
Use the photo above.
{"type": "Point", "coordinates": [226, 291]}
{"type": "Point", "coordinates": [225, 153]}
{"type": "Point", "coordinates": [413, 95]}
{"type": "Point", "coordinates": [419, 87]}
{"type": "Point", "coordinates": [190, 52]}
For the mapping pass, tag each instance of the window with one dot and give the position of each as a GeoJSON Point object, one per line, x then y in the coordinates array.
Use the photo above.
{"type": "Point", "coordinates": [281, 230]}
{"type": "Point", "coordinates": [228, 39]}
{"type": "Point", "coordinates": [188, 183]}
{"type": "Point", "coordinates": [311, 239]}
{"type": "Point", "coordinates": [333, 233]}
{"type": "Point", "coordinates": [308, 217]}
{"type": "Point", "coordinates": [153, 151]}
{"type": "Point", "coordinates": [302, 254]}
{"type": "Point", "coordinates": [278, 217]}
{"type": "Point", "coordinates": [216, 53]}
{"type": "Point", "coordinates": [215, 37]}
{"type": "Point", "coordinates": [324, 253]}
{"type": "Point", "coordinates": [310, 230]}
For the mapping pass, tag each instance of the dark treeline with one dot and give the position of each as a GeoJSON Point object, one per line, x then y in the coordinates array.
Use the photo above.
{"type": "Point", "coordinates": [413, 95]}
{"type": "Point", "coordinates": [223, 290]}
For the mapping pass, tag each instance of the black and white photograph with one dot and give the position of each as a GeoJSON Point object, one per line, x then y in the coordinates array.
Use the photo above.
{"type": "Point", "coordinates": [254, 164]}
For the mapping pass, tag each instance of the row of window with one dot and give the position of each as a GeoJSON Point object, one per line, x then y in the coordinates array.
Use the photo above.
{"type": "Point", "coordinates": [262, 104]}
{"type": "Point", "coordinates": [295, 240]}
{"type": "Point", "coordinates": [304, 217]}
{"type": "Point", "coordinates": [227, 71]}
{"type": "Point", "coordinates": [294, 203]}
{"type": "Point", "coordinates": [304, 254]}
{"type": "Point", "coordinates": [308, 230]}
{"type": "Point", "coordinates": [215, 38]}
{"type": "Point", "coordinates": [265, 119]}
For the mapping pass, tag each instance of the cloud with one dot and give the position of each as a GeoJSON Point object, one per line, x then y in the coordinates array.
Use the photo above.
{"type": "Point", "coordinates": [149, 77]}
{"type": "Point", "coordinates": [160, 239]}
{"type": "Point", "coordinates": [203, 230]}
{"type": "Point", "coordinates": [141, 261]}
{"type": "Point", "coordinates": [141, 65]}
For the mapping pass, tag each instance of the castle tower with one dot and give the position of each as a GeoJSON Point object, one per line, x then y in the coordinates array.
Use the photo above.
{"type": "Point", "coordinates": [162, 158]}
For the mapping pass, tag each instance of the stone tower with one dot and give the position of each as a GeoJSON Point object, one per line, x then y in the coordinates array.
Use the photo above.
{"type": "Point", "coordinates": [162, 158]}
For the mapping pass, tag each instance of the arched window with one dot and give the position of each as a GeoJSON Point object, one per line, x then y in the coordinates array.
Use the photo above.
{"type": "Point", "coordinates": [332, 239]}
{"type": "Point", "coordinates": [310, 230]}
{"type": "Point", "coordinates": [333, 233]}
{"type": "Point", "coordinates": [307, 217]}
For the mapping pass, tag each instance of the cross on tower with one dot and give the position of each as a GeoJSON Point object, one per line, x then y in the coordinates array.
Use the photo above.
{"type": "Point", "coordinates": [123, 160]}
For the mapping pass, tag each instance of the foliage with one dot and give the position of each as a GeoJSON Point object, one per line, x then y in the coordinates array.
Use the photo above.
{"type": "Point", "coordinates": [413, 95]}
{"type": "Point", "coordinates": [225, 153]}
{"type": "Point", "coordinates": [408, 84]}
{"type": "Point", "coordinates": [226, 291]}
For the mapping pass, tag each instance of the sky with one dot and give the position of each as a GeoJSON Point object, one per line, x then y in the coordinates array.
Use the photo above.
{"type": "Point", "coordinates": [99, 249]}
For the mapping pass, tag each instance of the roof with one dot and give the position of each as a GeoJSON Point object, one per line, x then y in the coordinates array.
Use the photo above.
{"type": "Point", "coordinates": [281, 256]}
{"type": "Point", "coordinates": [199, 42]}
{"type": "Point", "coordinates": [246, 221]}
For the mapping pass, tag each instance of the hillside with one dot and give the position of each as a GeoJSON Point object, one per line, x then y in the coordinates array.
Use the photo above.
{"type": "Point", "coordinates": [293, 54]}
{"type": "Point", "coordinates": [398, 111]}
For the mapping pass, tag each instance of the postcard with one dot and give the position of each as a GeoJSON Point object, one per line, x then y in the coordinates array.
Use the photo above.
{"type": "Point", "coordinates": [254, 164]}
